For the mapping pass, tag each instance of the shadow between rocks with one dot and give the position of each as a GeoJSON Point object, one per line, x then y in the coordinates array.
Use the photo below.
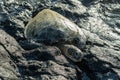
{"type": "Point", "coordinates": [96, 69]}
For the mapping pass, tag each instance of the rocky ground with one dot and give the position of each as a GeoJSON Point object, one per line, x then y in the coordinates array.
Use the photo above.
{"type": "Point", "coordinates": [100, 21]}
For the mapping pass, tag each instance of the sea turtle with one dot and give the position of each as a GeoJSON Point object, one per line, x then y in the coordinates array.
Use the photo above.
{"type": "Point", "coordinates": [51, 28]}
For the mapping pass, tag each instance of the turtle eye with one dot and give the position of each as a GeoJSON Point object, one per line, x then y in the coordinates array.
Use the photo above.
{"type": "Point", "coordinates": [71, 51]}
{"type": "Point", "coordinates": [74, 53]}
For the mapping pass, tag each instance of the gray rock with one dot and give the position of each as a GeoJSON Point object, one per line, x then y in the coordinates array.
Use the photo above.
{"type": "Point", "coordinates": [13, 17]}
{"type": "Point", "coordinates": [9, 54]}
{"type": "Point", "coordinates": [47, 63]}
{"type": "Point", "coordinates": [8, 69]}
{"type": "Point", "coordinates": [100, 21]}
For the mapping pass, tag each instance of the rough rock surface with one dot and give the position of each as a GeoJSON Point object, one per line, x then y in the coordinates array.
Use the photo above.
{"type": "Point", "coordinates": [10, 53]}
{"type": "Point", "coordinates": [100, 21]}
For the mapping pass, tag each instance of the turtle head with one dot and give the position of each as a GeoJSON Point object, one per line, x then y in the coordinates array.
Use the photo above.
{"type": "Point", "coordinates": [73, 53]}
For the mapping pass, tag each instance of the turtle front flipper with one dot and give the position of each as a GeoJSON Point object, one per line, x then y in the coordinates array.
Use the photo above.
{"type": "Point", "coordinates": [72, 52]}
{"type": "Point", "coordinates": [30, 44]}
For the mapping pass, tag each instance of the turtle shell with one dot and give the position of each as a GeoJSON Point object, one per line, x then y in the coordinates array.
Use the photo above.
{"type": "Point", "coordinates": [50, 27]}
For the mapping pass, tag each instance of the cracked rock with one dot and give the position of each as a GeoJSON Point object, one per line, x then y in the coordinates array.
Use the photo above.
{"type": "Point", "coordinates": [100, 21]}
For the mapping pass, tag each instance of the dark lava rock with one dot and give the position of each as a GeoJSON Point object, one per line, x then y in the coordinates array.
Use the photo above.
{"type": "Point", "coordinates": [47, 62]}
{"type": "Point", "coordinates": [100, 21]}
{"type": "Point", "coordinates": [13, 16]}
